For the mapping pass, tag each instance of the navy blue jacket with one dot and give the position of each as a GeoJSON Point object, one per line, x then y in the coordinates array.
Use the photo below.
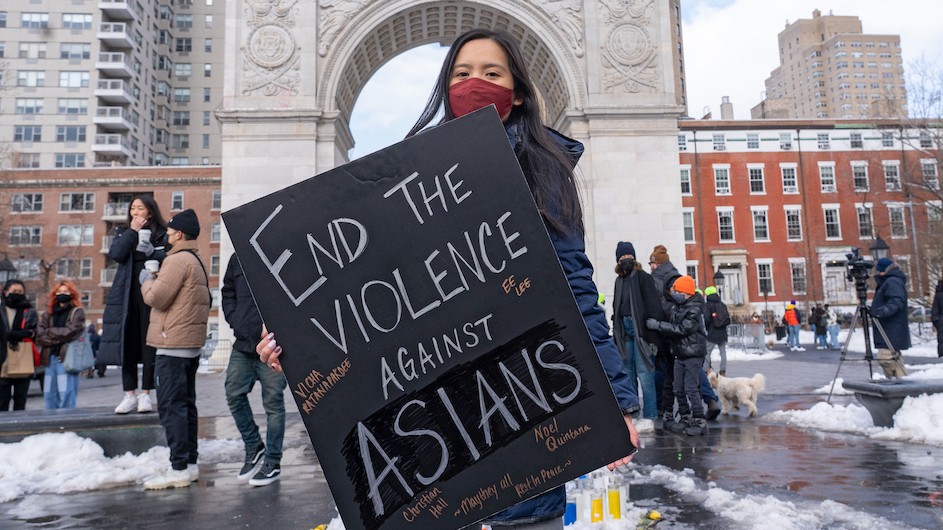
{"type": "Point", "coordinates": [889, 307]}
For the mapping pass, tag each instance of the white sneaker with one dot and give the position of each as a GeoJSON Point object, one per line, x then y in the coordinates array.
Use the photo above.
{"type": "Point", "coordinates": [128, 403]}
{"type": "Point", "coordinates": [144, 403]}
{"type": "Point", "coordinates": [171, 478]}
{"type": "Point", "coordinates": [645, 425]}
{"type": "Point", "coordinates": [800, 348]}
{"type": "Point", "coordinates": [194, 471]}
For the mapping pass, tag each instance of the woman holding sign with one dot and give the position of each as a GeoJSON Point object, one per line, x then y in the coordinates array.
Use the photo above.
{"type": "Point", "coordinates": [485, 67]}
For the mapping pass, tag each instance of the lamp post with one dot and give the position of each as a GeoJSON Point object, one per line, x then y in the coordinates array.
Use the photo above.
{"type": "Point", "coordinates": [719, 283]}
{"type": "Point", "coordinates": [764, 288]}
{"type": "Point", "coordinates": [879, 249]}
{"type": "Point", "coordinates": [7, 270]}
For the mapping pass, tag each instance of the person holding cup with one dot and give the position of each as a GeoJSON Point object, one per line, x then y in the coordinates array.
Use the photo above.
{"type": "Point", "coordinates": [126, 317]}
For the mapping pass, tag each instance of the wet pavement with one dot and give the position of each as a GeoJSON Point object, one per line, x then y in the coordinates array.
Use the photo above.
{"type": "Point", "coordinates": [899, 483]}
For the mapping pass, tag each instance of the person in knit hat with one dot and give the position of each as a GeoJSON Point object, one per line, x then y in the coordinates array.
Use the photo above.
{"type": "Point", "coordinates": [889, 309]}
{"type": "Point", "coordinates": [685, 327]}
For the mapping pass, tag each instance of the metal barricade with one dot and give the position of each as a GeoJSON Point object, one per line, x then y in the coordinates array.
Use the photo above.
{"type": "Point", "coordinates": [735, 336]}
{"type": "Point", "coordinates": [215, 355]}
{"type": "Point", "coordinates": [753, 337]}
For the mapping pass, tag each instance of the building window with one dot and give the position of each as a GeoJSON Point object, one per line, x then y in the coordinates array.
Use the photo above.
{"type": "Point", "coordinates": [73, 79]}
{"type": "Point", "coordinates": [207, 95]}
{"type": "Point", "coordinates": [27, 269]}
{"type": "Point", "coordinates": [70, 133]}
{"type": "Point", "coordinates": [176, 200]}
{"type": "Point", "coordinates": [3, 19]}
{"type": "Point", "coordinates": [184, 21]}
{"type": "Point", "coordinates": [183, 45]}
{"type": "Point", "coordinates": [74, 50]}
{"type": "Point", "coordinates": [27, 160]}
{"type": "Point", "coordinates": [72, 106]}
{"type": "Point", "coordinates": [682, 142]}
{"type": "Point", "coordinates": [76, 202]}
{"type": "Point", "coordinates": [183, 69]}
{"type": "Point", "coordinates": [27, 133]}
{"type": "Point", "coordinates": [832, 222]}
{"type": "Point", "coordinates": [70, 159]}
{"type": "Point", "coordinates": [206, 141]}
{"type": "Point", "coordinates": [74, 268]}
{"type": "Point", "coordinates": [179, 161]}
{"type": "Point", "coordinates": [925, 141]}
{"type": "Point", "coordinates": [928, 170]}
{"type": "Point", "coordinates": [887, 139]}
{"type": "Point", "coordinates": [207, 45]}
{"type": "Point", "coordinates": [181, 95]}
{"type": "Point", "coordinates": [180, 141]}
{"type": "Point", "coordinates": [76, 21]}
{"type": "Point", "coordinates": [823, 141]}
{"type": "Point", "coordinates": [29, 106]}
{"type": "Point", "coordinates": [75, 235]}
{"type": "Point", "coordinates": [785, 141]}
{"type": "Point", "coordinates": [856, 141]}
{"type": "Point", "coordinates": [720, 142]}
{"type": "Point", "coordinates": [30, 78]}
{"type": "Point", "coordinates": [895, 214]}
{"type": "Point", "coordinates": [753, 141]}
{"type": "Point", "coordinates": [207, 70]}
{"type": "Point", "coordinates": [725, 225]}
{"type": "Point", "coordinates": [685, 181]}
{"type": "Point", "coordinates": [34, 20]}
{"type": "Point", "coordinates": [892, 176]}
{"type": "Point", "coordinates": [206, 117]}
{"type": "Point", "coordinates": [687, 218]}
{"type": "Point", "coordinates": [827, 178]}
{"type": "Point", "coordinates": [859, 173]}
{"type": "Point", "coordinates": [757, 181]}
{"type": "Point", "coordinates": [865, 221]}
{"type": "Point", "coordinates": [181, 117]}
{"type": "Point", "coordinates": [934, 211]}
{"type": "Point", "coordinates": [32, 50]}
{"type": "Point", "coordinates": [214, 232]}
{"type": "Point", "coordinates": [764, 275]}
{"type": "Point", "coordinates": [691, 270]}
{"type": "Point", "coordinates": [25, 236]}
{"type": "Point", "coordinates": [214, 265]}
{"type": "Point", "coordinates": [721, 180]}
{"type": "Point", "coordinates": [799, 283]}
{"type": "Point", "coordinates": [27, 203]}
{"type": "Point", "coordinates": [208, 21]}
{"type": "Point", "coordinates": [760, 224]}
{"type": "Point", "coordinates": [217, 202]}
{"type": "Point", "coordinates": [790, 184]}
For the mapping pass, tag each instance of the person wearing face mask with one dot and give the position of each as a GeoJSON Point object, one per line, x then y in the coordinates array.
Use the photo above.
{"type": "Point", "coordinates": [179, 298]}
{"type": "Point", "coordinates": [889, 308]}
{"type": "Point", "coordinates": [61, 323]}
{"type": "Point", "coordinates": [485, 67]}
{"type": "Point", "coordinates": [685, 327]}
{"type": "Point", "coordinates": [636, 300]}
{"type": "Point", "coordinates": [19, 329]}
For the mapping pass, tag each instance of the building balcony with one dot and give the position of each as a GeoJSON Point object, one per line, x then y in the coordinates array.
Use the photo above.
{"type": "Point", "coordinates": [118, 9]}
{"type": "Point", "coordinates": [116, 212]}
{"type": "Point", "coordinates": [114, 64]}
{"type": "Point", "coordinates": [106, 243]}
{"type": "Point", "coordinates": [112, 118]}
{"type": "Point", "coordinates": [113, 91]}
{"type": "Point", "coordinates": [107, 277]}
{"type": "Point", "coordinates": [111, 144]}
{"type": "Point", "coordinates": [115, 34]}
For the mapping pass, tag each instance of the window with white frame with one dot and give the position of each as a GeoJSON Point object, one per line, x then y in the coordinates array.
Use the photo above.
{"type": "Point", "coordinates": [760, 223]}
{"type": "Point", "coordinates": [26, 203]}
{"type": "Point", "coordinates": [928, 170]}
{"type": "Point", "coordinates": [790, 182]}
{"type": "Point", "coordinates": [76, 21]}
{"type": "Point", "coordinates": [887, 139]}
{"type": "Point", "coordinates": [865, 220]}
{"type": "Point", "coordinates": [720, 142]}
{"type": "Point", "coordinates": [70, 133]}
{"type": "Point", "coordinates": [691, 270]}
{"type": "Point", "coordinates": [859, 174]}
{"type": "Point", "coordinates": [214, 265]}
{"type": "Point", "coordinates": [895, 217]}
{"type": "Point", "coordinates": [785, 141]}
{"type": "Point", "coordinates": [832, 221]}
{"type": "Point", "coordinates": [934, 211]}
{"type": "Point", "coordinates": [32, 50]}
{"type": "Point", "coordinates": [856, 140]}
{"type": "Point", "coordinates": [217, 201]}
{"type": "Point", "coordinates": [27, 269]}
{"type": "Point", "coordinates": [29, 106]}
{"type": "Point", "coordinates": [685, 181]}
{"type": "Point", "coordinates": [72, 106]}
{"type": "Point", "coordinates": [75, 235]}
{"type": "Point", "coordinates": [753, 141]}
{"type": "Point", "coordinates": [34, 20]}
{"type": "Point", "coordinates": [725, 224]}
{"type": "Point", "coordinates": [764, 275]}
{"type": "Point", "coordinates": [80, 268]}
{"type": "Point", "coordinates": [214, 232]}
{"type": "Point", "coordinates": [891, 175]}
{"type": "Point", "coordinates": [30, 78]}
{"type": "Point", "coordinates": [799, 281]}
{"type": "Point", "coordinates": [823, 141]}
{"type": "Point", "coordinates": [827, 177]}
{"type": "Point", "coordinates": [73, 79]}
{"type": "Point", "coordinates": [722, 179]}
{"type": "Point", "coordinates": [77, 202]}
{"type": "Point", "coordinates": [757, 179]}
{"type": "Point", "coordinates": [925, 141]}
{"type": "Point", "coordinates": [86, 298]}
{"type": "Point", "coordinates": [176, 200]}
{"type": "Point", "coordinates": [687, 221]}
{"type": "Point", "coordinates": [793, 223]}
{"type": "Point", "coordinates": [25, 236]}
{"type": "Point", "coordinates": [682, 142]}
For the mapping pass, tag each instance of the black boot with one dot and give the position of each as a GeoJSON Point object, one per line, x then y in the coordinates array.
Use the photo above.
{"type": "Point", "coordinates": [713, 409]}
{"type": "Point", "coordinates": [697, 427]}
{"type": "Point", "coordinates": [680, 426]}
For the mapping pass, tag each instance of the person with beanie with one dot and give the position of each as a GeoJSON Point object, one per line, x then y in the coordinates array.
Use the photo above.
{"type": "Point", "coordinates": [179, 298]}
{"type": "Point", "coordinates": [685, 327]}
{"type": "Point", "coordinates": [889, 309]}
{"type": "Point", "coordinates": [636, 299]}
{"type": "Point", "coordinates": [716, 320]}
{"type": "Point", "coordinates": [936, 317]}
{"type": "Point", "coordinates": [792, 320]}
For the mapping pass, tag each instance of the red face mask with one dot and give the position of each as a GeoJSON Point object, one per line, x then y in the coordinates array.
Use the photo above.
{"type": "Point", "coordinates": [475, 93]}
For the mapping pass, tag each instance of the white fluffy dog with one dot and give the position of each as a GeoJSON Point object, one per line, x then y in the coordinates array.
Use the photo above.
{"type": "Point", "coordinates": [736, 391]}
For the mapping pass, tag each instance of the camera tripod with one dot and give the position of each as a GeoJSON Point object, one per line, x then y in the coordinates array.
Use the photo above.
{"type": "Point", "coordinates": [862, 314]}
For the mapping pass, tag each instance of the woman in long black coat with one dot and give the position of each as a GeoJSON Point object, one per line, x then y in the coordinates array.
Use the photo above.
{"type": "Point", "coordinates": [126, 317]}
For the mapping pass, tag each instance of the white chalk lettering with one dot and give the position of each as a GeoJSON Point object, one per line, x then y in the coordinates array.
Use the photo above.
{"type": "Point", "coordinates": [443, 448]}
{"type": "Point", "coordinates": [427, 199]}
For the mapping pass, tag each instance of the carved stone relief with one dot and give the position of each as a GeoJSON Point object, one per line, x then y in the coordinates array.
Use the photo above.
{"type": "Point", "coordinates": [629, 50]}
{"type": "Point", "coordinates": [270, 54]}
{"type": "Point", "coordinates": [333, 15]}
{"type": "Point", "coordinates": [567, 14]}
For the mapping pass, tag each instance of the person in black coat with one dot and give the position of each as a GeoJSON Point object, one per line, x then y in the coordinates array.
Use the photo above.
{"type": "Point", "coordinates": [936, 316]}
{"type": "Point", "coordinates": [889, 308]}
{"type": "Point", "coordinates": [126, 316]}
{"type": "Point", "coordinates": [636, 299]}
{"type": "Point", "coordinates": [19, 320]}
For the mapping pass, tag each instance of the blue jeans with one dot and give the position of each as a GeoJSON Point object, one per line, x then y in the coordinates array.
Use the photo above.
{"type": "Point", "coordinates": [243, 371]}
{"type": "Point", "coordinates": [792, 336]}
{"type": "Point", "coordinates": [833, 335]}
{"type": "Point", "coordinates": [60, 389]}
{"type": "Point", "coordinates": [639, 370]}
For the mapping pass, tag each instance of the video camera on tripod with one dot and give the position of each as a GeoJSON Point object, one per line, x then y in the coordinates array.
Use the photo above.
{"type": "Point", "coordinates": [857, 271]}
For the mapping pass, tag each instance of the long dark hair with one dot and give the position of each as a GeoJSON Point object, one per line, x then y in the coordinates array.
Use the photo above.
{"type": "Point", "coordinates": [157, 220]}
{"type": "Point", "coordinates": [547, 167]}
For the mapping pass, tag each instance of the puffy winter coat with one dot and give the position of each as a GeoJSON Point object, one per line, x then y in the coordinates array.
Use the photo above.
{"type": "Point", "coordinates": [889, 307]}
{"type": "Point", "coordinates": [715, 334]}
{"type": "Point", "coordinates": [52, 338]}
{"type": "Point", "coordinates": [180, 300]}
{"type": "Point", "coordinates": [685, 328]}
{"type": "Point", "coordinates": [640, 287]}
{"type": "Point", "coordinates": [240, 309]}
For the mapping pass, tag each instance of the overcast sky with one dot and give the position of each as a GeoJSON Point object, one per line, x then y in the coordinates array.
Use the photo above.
{"type": "Point", "coordinates": [730, 47]}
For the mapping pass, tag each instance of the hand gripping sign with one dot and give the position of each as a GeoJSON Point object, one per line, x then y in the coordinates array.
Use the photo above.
{"type": "Point", "coordinates": [431, 341]}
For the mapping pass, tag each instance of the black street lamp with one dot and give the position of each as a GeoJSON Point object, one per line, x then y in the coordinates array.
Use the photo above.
{"type": "Point", "coordinates": [719, 282]}
{"type": "Point", "coordinates": [7, 270]}
{"type": "Point", "coordinates": [764, 288]}
{"type": "Point", "coordinates": [879, 249]}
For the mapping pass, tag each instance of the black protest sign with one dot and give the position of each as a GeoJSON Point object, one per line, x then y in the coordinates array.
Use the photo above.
{"type": "Point", "coordinates": [431, 341]}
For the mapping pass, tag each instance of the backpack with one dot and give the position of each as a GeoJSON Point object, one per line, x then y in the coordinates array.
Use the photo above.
{"type": "Point", "coordinates": [720, 317]}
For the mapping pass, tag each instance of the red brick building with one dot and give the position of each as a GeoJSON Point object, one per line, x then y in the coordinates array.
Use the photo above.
{"type": "Point", "coordinates": [58, 223]}
{"type": "Point", "coordinates": [775, 205]}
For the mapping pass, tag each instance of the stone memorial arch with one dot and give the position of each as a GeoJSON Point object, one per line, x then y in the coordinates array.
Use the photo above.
{"type": "Point", "coordinates": [294, 69]}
